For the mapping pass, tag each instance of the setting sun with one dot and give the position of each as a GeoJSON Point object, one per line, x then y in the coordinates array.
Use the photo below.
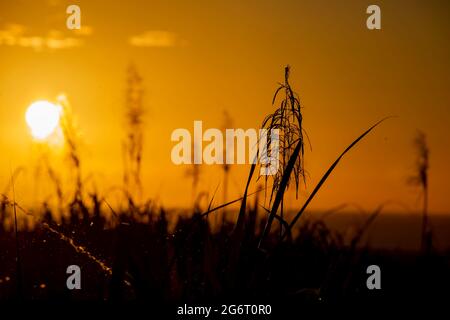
{"type": "Point", "coordinates": [42, 118]}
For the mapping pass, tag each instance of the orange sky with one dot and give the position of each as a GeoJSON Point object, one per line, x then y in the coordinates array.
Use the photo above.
{"type": "Point", "coordinates": [198, 59]}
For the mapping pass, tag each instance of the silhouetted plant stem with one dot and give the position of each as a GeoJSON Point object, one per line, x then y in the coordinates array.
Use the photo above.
{"type": "Point", "coordinates": [421, 179]}
{"type": "Point", "coordinates": [16, 232]}
{"type": "Point", "coordinates": [287, 119]}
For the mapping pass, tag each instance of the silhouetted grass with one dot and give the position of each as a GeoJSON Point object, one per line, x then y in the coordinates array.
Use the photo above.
{"type": "Point", "coordinates": [143, 253]}
{"type": "Point", "coordinates": [154, 263]}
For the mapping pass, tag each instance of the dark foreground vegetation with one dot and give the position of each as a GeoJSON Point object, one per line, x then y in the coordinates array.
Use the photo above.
{"type": "Point", "coordinates": [124, 259]}
{"type": "Point", "coordinates": [143, 255]}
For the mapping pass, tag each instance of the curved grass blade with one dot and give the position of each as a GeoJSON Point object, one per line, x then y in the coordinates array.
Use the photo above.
{"type": "Point", "coordinates": [327, 174]}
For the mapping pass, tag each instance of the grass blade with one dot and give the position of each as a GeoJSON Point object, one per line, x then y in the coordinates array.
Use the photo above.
{"type": "Point", "coordinates": [327, 174]}
{"type": "Point", "coordinates": [281, 189]}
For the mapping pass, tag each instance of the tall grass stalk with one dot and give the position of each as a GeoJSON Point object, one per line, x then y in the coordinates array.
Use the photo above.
{"type": "Point", "coordinates": [134, 141]}
{"type": "Point", "coordinates": [287, 118]}
{"type": "Point", "coordinates": [72, 144]}
{"type": "Point", "coordinates": [194, 173]}
{"type": "Point", "coordinates": [227, 123]}
{"type": "Point", "coordinates": [16, 232]}
{"type": "Point", "coordinates": [421, 179]}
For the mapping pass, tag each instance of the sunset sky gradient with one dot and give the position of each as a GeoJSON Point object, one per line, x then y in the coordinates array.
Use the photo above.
{"type": "Point", "coordinates": [200, 58]}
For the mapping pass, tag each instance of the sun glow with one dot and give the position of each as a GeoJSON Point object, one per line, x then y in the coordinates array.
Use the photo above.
{"type": "Point", "coordinates": [42, 118]}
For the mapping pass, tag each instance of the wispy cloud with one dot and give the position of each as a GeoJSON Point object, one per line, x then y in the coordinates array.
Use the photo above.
{"type": "Point", "coordinates": [84, 31]}
{"type": "Point", "coordinates": [155, 38]}
{"type": "Point", "coordinates": [15, 35]}
{"type": "Point", "coordinates": [10, 35]}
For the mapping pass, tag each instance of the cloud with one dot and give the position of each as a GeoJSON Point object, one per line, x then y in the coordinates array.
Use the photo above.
{"type": "Point", "coordinates": [63, 43]}
{"type": "Point", "coordinates": [84, 31]}
{"type": "Point", "coordinates": [14, 35]}
{"type": "Point", "coordinates": [11, 34]}
{"type": "Point", "coordinates": [155, 38]}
